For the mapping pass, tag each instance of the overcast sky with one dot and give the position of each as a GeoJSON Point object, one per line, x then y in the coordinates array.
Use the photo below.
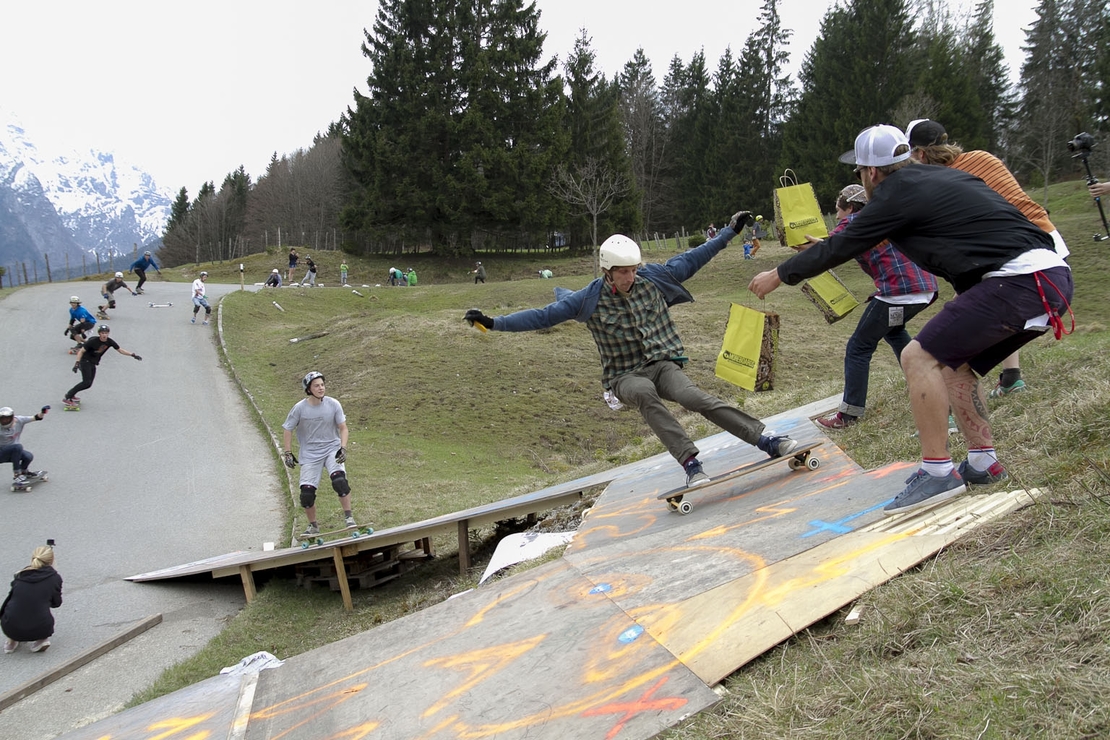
{"type": "Point", "coordinates": [190, 91]}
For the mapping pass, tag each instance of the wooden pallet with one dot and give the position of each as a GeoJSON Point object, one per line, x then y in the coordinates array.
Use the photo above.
{"type": "Point", "coordinates": [365, 569]}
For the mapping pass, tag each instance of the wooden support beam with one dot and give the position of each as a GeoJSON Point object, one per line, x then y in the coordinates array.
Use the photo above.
{"type": "Point", "coordinates": [464, 546]}
{"type": "Point", "coordinates": [247, 577]}
{"type": "Point", "coordinates": [341, 574]}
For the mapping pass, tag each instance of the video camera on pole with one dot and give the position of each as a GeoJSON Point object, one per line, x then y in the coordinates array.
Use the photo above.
{"type": "Point", "coordinates": [1081, 147]}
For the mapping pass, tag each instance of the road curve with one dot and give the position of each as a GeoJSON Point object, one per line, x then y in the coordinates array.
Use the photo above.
{"type": "Point", "coordinates": [162, 466]}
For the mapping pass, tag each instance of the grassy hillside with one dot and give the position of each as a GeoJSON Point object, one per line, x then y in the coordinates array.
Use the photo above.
{"type": "Point", "coordinates": [1000, 636]}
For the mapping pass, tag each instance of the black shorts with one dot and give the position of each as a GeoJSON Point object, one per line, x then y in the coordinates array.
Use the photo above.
{"type": "Point", "coordinates": [986, 324]}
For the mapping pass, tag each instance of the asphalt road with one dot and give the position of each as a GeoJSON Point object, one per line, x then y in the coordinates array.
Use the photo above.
{"type": "Point", "coordinates": [162, 466]}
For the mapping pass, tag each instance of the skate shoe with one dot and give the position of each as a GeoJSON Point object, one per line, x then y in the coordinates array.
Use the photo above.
{"type": "Point", "coordinates": [33, 474]}
{"type": "Point", "coordinates": [924, 490]}
{"type": "Point", "coordinates": [350, 522]}
{"type": "Point", "coordinates": [205, 322]}
{"type": "Point", "coordinates": [193, 320]}
{"type": "Point", "coordinates": [993, 474]}
{"type": "Point", "coordinates": [695, 475]}
{"type": "Point", "coordinates": [71, 402]}
{"type": "Point", "coordinates": [20, 481]}
{"type": "Point", "coordinates": [310, 530]}
{"type": "Point", "coordinates": [777, 446]}
{"type": "Point", "coordinates": [39, 646]}
{"type": "Point", "coordinates": [10, 646]}
{"type": "Point", "coordinates": [839, 420]}
{"type": "Point", "coordinates": [1004, 390]}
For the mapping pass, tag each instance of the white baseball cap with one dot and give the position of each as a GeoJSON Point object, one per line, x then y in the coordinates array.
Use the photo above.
{"type": "Point", "coordinates": [876, 147]}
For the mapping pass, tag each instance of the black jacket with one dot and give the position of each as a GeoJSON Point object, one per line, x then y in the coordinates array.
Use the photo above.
{"type": "Point", "coordinates": [25, 615]}
{"type": "Point", "coordinates": [945, 220]}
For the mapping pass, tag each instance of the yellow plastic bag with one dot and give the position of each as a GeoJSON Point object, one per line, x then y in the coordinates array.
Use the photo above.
{"type": "Point", "coordinates": [747, 356]}
{"type": "Point", "coordinates": [831, 296]}
{"type": "Point", "coordinates": [797, 212]}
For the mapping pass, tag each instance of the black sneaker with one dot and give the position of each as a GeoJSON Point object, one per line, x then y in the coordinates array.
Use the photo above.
{"type": "Point", "coordinates": [695, 476]}
{"type": "Point", "coordinates": [993, 474]}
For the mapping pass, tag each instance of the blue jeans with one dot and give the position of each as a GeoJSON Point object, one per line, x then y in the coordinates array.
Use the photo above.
{"type": "Point", "coordinates": [880, 320]}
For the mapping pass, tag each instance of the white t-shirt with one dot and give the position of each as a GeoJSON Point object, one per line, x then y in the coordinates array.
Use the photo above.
{"type": "Point", "coordinates": [198, 288]}
{"type": "Point", "coordinates": [317, 426]}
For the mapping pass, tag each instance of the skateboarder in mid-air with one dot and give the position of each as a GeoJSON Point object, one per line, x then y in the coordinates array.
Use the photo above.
{"type": "Point", "coordinates": [88, 359]}
{"type": "Point", "coordinates": [627, 311]}
{"type": "Point", "coordinates": [321, 428]}
{"type": "Point", "coordinates": [11, 426]}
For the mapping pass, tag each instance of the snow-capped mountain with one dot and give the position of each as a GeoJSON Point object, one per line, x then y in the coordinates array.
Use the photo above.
{"type": "Point", "coordinates": [80, 204]}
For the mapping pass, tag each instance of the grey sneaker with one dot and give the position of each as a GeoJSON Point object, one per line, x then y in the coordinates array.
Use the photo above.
{"type": "Point", "coordinates": [778, 446]}
{"type": "Point", "coordinates": [924, 490]}
{"type": "Point", "coordinates": [10, 646]}
{"type": "Point", "coordinates": [350, 522]}
{"type": "Point", "coordinates": [993, 474]}
{"type": "Point", "coordinates": [39, 645]}
{"type": "Point", "coordinates": [695, 476]}
{"type": "Point", "coordinates": [310, 530]}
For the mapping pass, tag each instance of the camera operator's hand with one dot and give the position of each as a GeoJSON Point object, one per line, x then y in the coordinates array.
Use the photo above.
{"type": "Point", "coordinates": [741, 220]}
{"type": "Point", "coordinates": [1099, 189]}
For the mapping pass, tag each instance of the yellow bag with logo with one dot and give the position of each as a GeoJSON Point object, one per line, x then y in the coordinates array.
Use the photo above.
{"type": "Point", "coordinates": [797, 212]}
{"type": "Point", "coordinates": [747, 356]}
{"type": "Point", "coordinates": [831, 296]}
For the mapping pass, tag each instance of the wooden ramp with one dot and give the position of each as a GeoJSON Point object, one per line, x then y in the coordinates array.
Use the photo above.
{"type": "Point", "coordinates": [624, 635]}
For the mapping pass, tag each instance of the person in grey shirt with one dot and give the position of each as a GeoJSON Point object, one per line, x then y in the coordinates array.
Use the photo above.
{"type": "Point", "coordinates": [321, 428]}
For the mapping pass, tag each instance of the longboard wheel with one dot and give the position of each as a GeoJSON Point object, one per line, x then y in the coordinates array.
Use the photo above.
{"type": "Point", "coordinates": [813, 463]}
{"type": "Point", "coordinates": [674, 502]}
{"type": "Point", "coordinates": [304, 545]}
{"type": "Point", "coordinates": [319, 540]}
{"type": "Point", "coordinates": [794, 464]}
{"type": "Point", "coordinates": [685, 507]}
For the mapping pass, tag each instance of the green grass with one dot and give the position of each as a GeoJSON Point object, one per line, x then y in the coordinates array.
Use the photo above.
{"type": "Point", "coordinates": [1001, 635]}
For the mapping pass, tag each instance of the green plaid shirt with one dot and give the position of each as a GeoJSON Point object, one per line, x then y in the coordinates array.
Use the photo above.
{"type": "Point", "coordinates": [632, 332]}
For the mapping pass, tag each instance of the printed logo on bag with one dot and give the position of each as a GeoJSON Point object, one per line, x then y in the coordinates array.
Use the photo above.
{"type": "Point", "coordinates": [736, 359]}
{"type": "Point", "coordinates": [803, 223]}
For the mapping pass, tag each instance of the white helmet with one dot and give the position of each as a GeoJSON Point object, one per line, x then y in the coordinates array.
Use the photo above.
{"type": "Point", "coordinates": [119, 274]}
{"type": "Point", "coordinates": [618, 251]}
{"type": "Point", "coordinates": [74, 299]}
{"type": "Point", "coordinates": [306, 381]}
{"type": "Point", "coordinates": [6, 412]}
{"type": "Point", "coordinates": [274, 270]}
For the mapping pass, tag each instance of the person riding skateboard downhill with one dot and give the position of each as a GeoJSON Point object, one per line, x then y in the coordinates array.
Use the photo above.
{"type": "Point", "coordinates": [108, 292]}
{"type": "Point", "coordinates": [80, 321]}
{"type": "Point", "coordinates": [88, 359]}
{"type": "Point", "coordinates": [199, 299]}
{"type": "Point", "coordinates": [139, 267]}
{"type": "Point", "coordinates": [321, 428]}
{"type": "Point", "coordinates": [11, 426]}
{"type": "Point", "coordinates": [627, 311]}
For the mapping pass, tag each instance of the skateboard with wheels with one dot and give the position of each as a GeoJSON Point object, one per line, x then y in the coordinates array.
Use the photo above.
{"type": "Point", "coordinates": [39, 476]}
{"type": "Point", "coordinates": [322, 538]}
{"type": "Point", "coordinates": [74, 406]}
{"type": "Point", "coordinates": [161, 305]}
{"type": "Point", "coordinates": [799, 459]}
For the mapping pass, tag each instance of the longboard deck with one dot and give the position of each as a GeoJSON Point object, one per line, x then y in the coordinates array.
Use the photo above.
{"type": "Point", "coordinates": [799, 459]}
{"type": "Point", "coordinates": [335, 535]}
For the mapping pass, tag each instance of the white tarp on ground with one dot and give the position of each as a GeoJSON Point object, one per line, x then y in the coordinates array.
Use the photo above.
{"type": "Point", "coordinates": [516, 548]}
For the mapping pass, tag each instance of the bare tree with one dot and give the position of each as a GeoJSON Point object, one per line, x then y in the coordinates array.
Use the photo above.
{"type": "Point", "coordinates": [592, 186]}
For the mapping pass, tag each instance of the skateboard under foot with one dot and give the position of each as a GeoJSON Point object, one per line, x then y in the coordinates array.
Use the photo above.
{"type": "Point", "coordinates": [39, 477]}
{"type": "Point", "coordinates": [799, 459]}
{"type": "Point", "coordinates": [320, 538]}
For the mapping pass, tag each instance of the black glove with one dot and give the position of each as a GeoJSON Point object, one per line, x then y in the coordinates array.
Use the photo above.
{"type": "Point", "coordinates": [76, 366]}
{"type": "Point", "coordinates": [65, 332]}
{"type": "Point", "coordinates": [341, 455]}
{"type": "Point", "coordinates": [136, 357]}
{"type": "Point", "coordinates": [474, 316]}
{"type": "Point", "coordinates": [290, 460]}
{"type": "Point", "coordinates": [740, 220]}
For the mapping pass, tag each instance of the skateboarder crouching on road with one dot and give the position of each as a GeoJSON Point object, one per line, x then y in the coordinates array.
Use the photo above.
{"type": "Point", "coordinates": [11, 426]}
{"type": "Point", "coordinates": [108, 292]}
{"type": "Point", "coordinates": [321, 428]}
{"type": "Point", "coordinates": [88, 358]}
{"type": "Point", "coordinates": [199, 299]}
{"type": "Point", "coordinates": [627, 312]}
{"type": "Point", "coordinates": [139, 267]}
{"type": "Point", "coordinates": [80, 321]}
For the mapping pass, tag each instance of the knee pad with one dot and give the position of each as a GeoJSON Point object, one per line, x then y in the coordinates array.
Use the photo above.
{"type": "Point", "coordinates": [340, 484]}
{"type": "Point", "coordinates": [112, 303]}
{"type": "Point", "coordinates": [308, 496]}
